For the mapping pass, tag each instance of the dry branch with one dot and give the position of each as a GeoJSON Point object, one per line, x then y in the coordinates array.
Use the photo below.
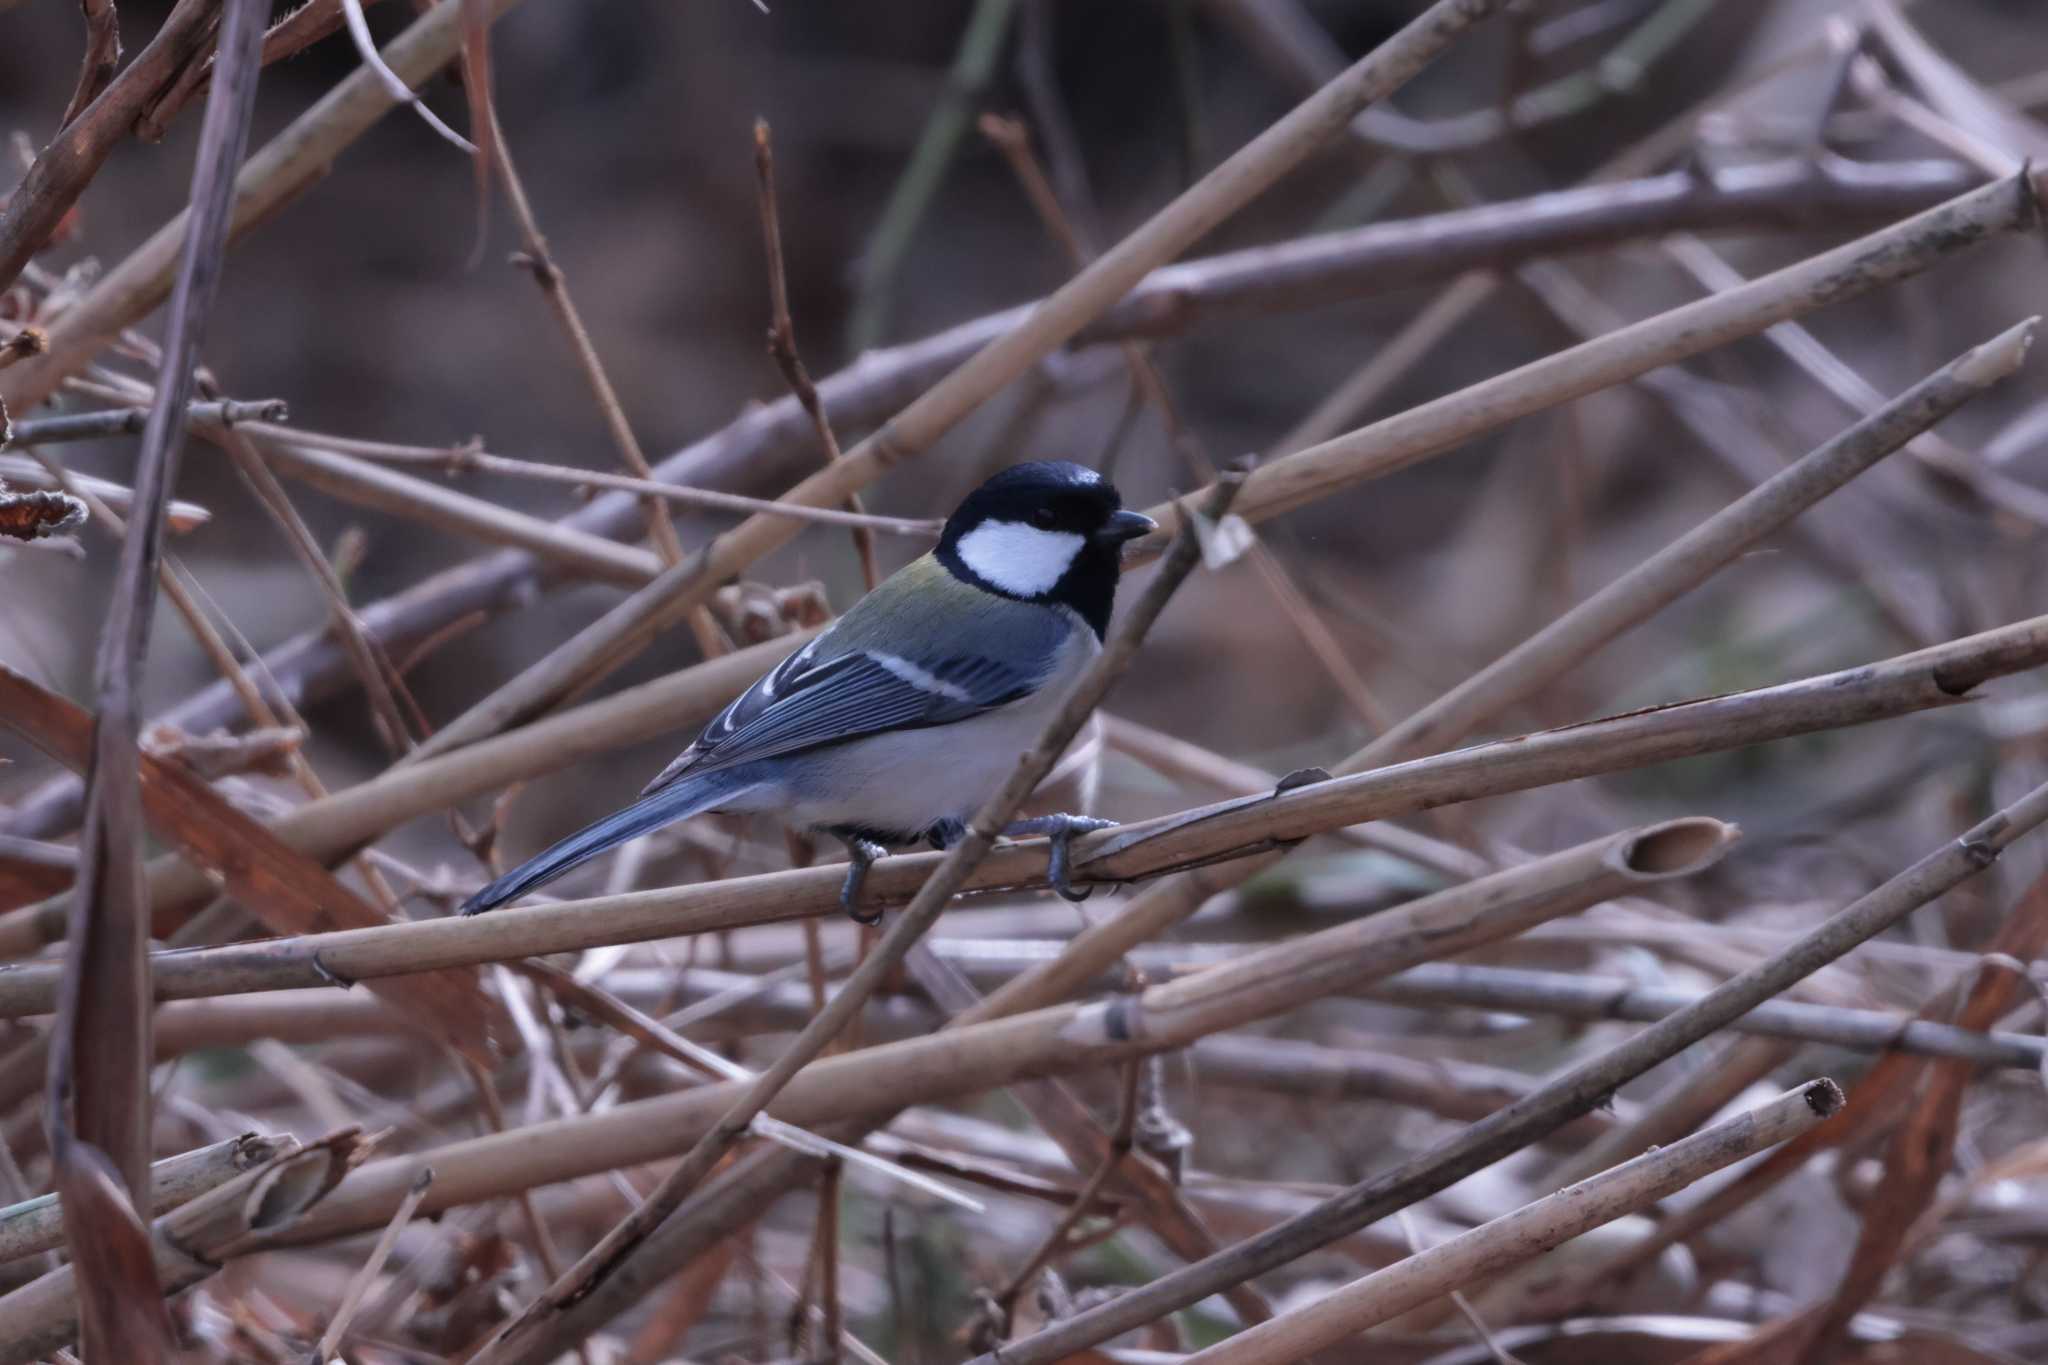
{"type": "Point", "coordinates": [36, 208]}
{"type": "Point", "coordinates": [36, 1225]}
{"type": "Point", "coordinates": [285, 889]}
{"type": "Point", "coordinates": [968, 1059]}
{"type": "Point", "coordinates": [402, 495]}
{"type": "Point", "coordinates": [276, 174]}
{"type": "Point", "coordinates": [1883, 257]}
{"type": "Point", "coordinates": [1527, 1232]}
{"type": "Point", "coordinates": [1686, 562]}
{"type": "Point", "coordinates": [1569, 1095]}
{"type": "Point", "coordinates": [469, 458]}
{"type": "Point", "coordinates": [1578, 996]}
{"type": "Point", "coordinates": [191, 1242]}
{"type": "Point", "coordinates": [89, 426]}
{"type": "Point", "coordinates": [98, 1105]}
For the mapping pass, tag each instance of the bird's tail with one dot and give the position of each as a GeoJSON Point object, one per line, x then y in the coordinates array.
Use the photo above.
{"type": "Point", "coordinates": [678, 801]}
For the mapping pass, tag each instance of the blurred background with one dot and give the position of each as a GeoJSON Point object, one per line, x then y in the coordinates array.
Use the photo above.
{"type": "Point", "coordinates": [380, 308]}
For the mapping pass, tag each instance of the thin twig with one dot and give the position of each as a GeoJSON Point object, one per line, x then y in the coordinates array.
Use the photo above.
{"type": "Point", "coordinates": [366, 48]}
{"type": "Point", "coordinates": [372, 1266]}
{"type": "Point", "coordinates": [554, 287]}
{"type": "Point", "coordinates": [469, 457]}
{"type": "Point", "coordinates": [782, 340]}
{"type": "Point", "coordinates": [88, 426]}
{"type": "Point", "coordinates": [36, 208]}
{"type": "Point", "coordinates": [1055, 1237]}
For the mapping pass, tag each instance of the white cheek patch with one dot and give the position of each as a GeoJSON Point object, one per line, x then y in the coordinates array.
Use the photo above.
{"type": "Point", "coordinates": [1019, 559]}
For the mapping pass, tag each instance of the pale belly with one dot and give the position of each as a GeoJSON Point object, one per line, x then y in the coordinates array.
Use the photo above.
{"type": "Point", "coordinates": [907, 782]}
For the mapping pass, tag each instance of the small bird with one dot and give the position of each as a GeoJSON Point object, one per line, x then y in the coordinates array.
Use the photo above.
{"type": "Point", "coordinates": [895, 724]}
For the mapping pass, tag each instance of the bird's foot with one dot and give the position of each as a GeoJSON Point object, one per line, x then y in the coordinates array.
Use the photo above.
{"type": "Point", "coordinates": [1060, 831]}
{"type": "Point", "coordinates": [860, 855]}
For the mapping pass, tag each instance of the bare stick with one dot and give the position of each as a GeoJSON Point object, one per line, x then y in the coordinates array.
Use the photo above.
{"type": "Point", "coordinates": [1575, 1092]}
{"type": "Point", "coordinates": [37, 1225]}
{"type": "Point", "coordinates": [366, 48]}
{"type": "Point", "coordinates": [469, 458]}
{"type": "Point", "coordinates": [1397, 442]}
{"type": "Point", "coordinates": [969, 1059]}
{"type": "Point", "coordinates": [388, 490]}
{"type": "Point", "coordinates": [284, 167]}
{"type": "Point", "coordinates": [782, 344]}
{"type": "Point", "coordinates": [98, 1103]}
{"type": "Point", "coordinates": [1578, 996]}
{"type": "Point", "coordinates": [1697, 555]}
{"type": "Point", "coordinates": [1527, 1232]}
{"type": "Point", "coordinates": [554, 287]}
{"type": "Point", "coordinates": [373, 1265]}
{"type": "Point", "coordinates": [923, 911]}
{"type": "Point", "coordinates": [1050, 1245]}
{"type": "Point", "coordinates": [90, 426]}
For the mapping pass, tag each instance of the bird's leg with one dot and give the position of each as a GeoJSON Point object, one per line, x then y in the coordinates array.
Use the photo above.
{"type": "Point", "coordinates": [1060, 830]}
{"type": "Point", "coordinates": [860, 854]}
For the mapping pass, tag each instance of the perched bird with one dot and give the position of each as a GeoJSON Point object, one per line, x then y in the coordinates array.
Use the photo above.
{"type": "Point", "coordinates": [894, 725]}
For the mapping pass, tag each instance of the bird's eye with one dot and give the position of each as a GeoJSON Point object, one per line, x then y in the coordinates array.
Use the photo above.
{"type": "Point", "coordinates": [1044, 519]}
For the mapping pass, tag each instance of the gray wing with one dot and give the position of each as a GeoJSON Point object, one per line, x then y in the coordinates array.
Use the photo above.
{"type": "Point", "coordinates": [806, 702]}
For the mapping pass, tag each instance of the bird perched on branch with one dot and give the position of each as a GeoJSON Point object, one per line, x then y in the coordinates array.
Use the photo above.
{"type": "Point", "coordinates": [897, 723]}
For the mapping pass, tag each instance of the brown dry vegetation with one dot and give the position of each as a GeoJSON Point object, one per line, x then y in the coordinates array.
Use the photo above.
{"type": "Point", "coordinates": [1638, 576]}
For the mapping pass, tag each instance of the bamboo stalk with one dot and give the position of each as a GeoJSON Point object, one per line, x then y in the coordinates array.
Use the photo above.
{"type": "Point", "coordinates": [191, 1242]}
{"type": "Point", "coordinates": [1486, 769]}
{"type": "Point", "coordinates": [1883, 257]}
{"type": "Point", "coordinates": [1569, 1095]}
{"type": "Point", "coordinates": [1700, 553]}
{"type": "Point", "coordinates": [37, 1225]}
{"type": "Point", "coordinates": [969, 1059]}
{"type": "Point", "coordinates": [1527, 1232]}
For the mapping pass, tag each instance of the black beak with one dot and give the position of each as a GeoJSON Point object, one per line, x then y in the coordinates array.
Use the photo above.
{"type": "Point", "coordinates": [1123, 526]}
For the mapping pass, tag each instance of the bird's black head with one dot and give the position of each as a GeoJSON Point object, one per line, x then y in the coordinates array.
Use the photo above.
{"type": "Point", "coordinates": [1047, 531]}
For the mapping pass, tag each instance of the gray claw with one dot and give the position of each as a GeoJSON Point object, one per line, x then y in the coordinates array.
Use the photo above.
{"type": "Point", "coordinates": [1059, 830]}
{"type": "Point", "coordinates": [860, 854]}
